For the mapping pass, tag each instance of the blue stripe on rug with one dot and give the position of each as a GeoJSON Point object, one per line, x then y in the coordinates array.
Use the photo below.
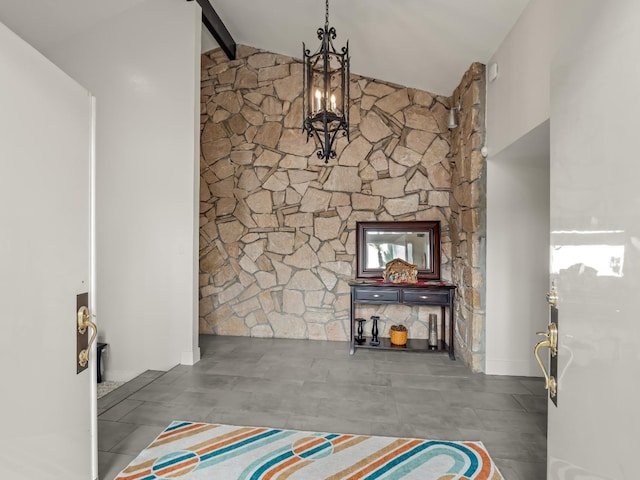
{"type": "Point", "coordinates": [459, 460]}
{"type": "Point", "coordinates": [270, 464]}
{"type": "Point", "coordinates": [250, 468]}
{"type": "Point", "coordinates": [176, 425]}
{"type": "Point", "coordinates": [244, 449]}
{"type": "Point", "coordinates": [240, 444]}
{"type": "Point", "coordinates": [172, 461]}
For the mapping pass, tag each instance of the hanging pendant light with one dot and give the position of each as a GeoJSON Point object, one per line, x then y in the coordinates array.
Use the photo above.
{"type": "Point", "coordinates": [326, 92]}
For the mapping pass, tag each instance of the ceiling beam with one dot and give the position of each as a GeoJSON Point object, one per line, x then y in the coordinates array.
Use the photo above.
{"type": "Point", "coordinates": [217, 28]}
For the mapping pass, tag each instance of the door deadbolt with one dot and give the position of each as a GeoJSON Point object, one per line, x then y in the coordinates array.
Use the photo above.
{"type": "Point", "coordinates": [552, 344]}
{"type": "Point", "coordinates": [552, 295]}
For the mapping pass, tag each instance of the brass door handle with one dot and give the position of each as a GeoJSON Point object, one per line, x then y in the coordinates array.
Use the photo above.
{"type": "Point", "coordinates": [552, 344]}
{"type": "Point", "coordinates": [83, 323]}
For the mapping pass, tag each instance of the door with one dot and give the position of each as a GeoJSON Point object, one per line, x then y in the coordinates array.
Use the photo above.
{"type": "Point", "coordinates": [595, 240]}
{"type": "Point", "coordinates": [46, 128]}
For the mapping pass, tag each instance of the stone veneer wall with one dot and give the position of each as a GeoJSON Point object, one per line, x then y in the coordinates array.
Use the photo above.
{"type": "Point", "coordinates": [468, 216]}
{"type": "Point", "coordinates": [277, 231]}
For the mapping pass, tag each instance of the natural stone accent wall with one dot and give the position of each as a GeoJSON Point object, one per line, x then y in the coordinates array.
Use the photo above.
{"type": "Point", "coordinates": [277, 230]}
{"type": "Point", "coordinates": [468, 216]}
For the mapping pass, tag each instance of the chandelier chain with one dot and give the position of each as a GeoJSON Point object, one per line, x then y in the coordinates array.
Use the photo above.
{"type": "Point", "coordinates": [326, 17]}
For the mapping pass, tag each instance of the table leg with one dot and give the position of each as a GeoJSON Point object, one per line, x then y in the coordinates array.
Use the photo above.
{"type": "Point", "coordinates": [451, 329]}
{"type": "Point", "coordinates": [352, 343]}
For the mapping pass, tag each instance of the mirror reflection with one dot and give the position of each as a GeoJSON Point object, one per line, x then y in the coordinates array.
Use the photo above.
{"type": "Point", "coordinates": [384, 246]}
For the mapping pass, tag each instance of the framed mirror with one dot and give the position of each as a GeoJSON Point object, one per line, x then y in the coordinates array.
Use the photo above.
{"type": "Point", "coordinates": [415, 242]}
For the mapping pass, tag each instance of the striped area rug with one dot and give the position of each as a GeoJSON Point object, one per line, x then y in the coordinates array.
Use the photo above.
{"type": "Point", "coordinates": [191, 451]}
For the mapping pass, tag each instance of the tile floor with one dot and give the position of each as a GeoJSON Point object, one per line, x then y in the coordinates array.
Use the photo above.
{"type": "Point", "coordinates": [312, 385]}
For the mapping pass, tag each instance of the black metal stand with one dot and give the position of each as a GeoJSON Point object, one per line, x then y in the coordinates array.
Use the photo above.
{"type": "Point", "coordinates": [374, 332]}
{"type": "Point", "coordinates": [99, 349]}
{"type": "Point", "coordinates": [360, 339]}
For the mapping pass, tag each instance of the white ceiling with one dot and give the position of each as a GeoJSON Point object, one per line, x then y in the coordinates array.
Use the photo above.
{"type": "Point", "coordinates": [426, 44]}
{"type": "Point", "coordinates": [43, 23]}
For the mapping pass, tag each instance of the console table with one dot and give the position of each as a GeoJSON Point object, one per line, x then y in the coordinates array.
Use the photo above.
{"type": "Point", "coordinates": [422, 293]}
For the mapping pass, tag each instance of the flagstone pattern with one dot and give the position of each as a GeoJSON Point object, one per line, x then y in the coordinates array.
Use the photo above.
{"type": "Point", "coordinates": [277, 224]}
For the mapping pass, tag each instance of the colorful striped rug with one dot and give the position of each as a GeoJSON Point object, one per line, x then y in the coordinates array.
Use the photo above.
{"type": "Point", "coordinates": [191, 451]}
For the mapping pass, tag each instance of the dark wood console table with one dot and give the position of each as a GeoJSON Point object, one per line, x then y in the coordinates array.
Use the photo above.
{"type": "Point", "coordinates": [422, 293]}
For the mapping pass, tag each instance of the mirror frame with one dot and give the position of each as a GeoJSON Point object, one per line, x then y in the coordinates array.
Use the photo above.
{"type": "Point", "coordinates": [432, 228]}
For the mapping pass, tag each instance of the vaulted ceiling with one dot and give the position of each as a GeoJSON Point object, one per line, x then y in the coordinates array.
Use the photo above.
{"type": "Point", "coordinates": [426, 44]}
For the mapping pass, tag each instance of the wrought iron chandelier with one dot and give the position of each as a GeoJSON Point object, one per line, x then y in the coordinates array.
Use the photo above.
{"type": "Point", "coordinates": [326, 92]}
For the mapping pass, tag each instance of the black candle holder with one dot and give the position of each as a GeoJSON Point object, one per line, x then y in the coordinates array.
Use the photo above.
{"type": "Point", "coordinates": [360, 339]}
{"type": "Point", "coordinates": [374, 331]}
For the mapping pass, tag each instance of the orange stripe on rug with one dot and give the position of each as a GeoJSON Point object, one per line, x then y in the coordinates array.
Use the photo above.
{"type": "Point", "coordinates": [218, 445]}
{"type": "Point", "coordinates": [219, 438]}
{"type": "Point", "coordinates": [186, 465]}
{"type": "Point", "coordinates": [134, 468]}
{"type": "Point", "coordinates": [487, 464]}
{"type": "Point", "coordinates": [180, 434]}
{"type": "Point", "coordinates": [281, 467]}
{"type": "Point", "coordinates": [298, 448]}
{"type": "Point", "coordinates": [367, 460]}
{"type": "Point", "coordinates": [138, 474]}
{"type": "Point", "coordinates": [373, 466]}
{"type": "Point", "coordinates": [175, 431]}
{"type": "Point", "coordinates": [138, 471]}
{"type": "Point", "coordinates": [294, 469]}
{"type": "Point", "coordinates": [350, 441]}
{"type": "Point", "coordinates": [306, 444]}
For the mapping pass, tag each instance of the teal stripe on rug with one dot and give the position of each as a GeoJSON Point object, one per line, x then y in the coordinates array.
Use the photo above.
{"type": "Point", "coordinates": [430, 454]}
{"type": "Point", "coordinates": [243, 450]}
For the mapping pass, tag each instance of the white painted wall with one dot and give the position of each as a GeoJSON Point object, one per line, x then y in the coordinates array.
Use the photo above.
{"type": "Point", "coordinates": [207, 42]}
{"type": "Point", "coordinates": [143, 66]}
{"type": "Point", "coordinates": [518, 106]}
{"type": "Point", "coordinates": [518, 100]}
{"type": "Point", "coordinates": [517, 253]}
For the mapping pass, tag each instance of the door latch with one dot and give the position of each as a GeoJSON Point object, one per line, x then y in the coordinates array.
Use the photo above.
{"type": "Point", "coordinates": [552, 295]}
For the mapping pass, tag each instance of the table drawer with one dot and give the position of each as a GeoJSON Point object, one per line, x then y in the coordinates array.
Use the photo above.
{"type": "Point", "coordinates": [422, 297]}
{"type": "Point", "coordinates": [377, 295]}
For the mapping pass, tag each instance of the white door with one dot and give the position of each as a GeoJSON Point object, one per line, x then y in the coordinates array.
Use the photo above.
{"type": "Point", "coordinates": [595, 239]}
{"type": "Point", "coordinates": [48, 411]}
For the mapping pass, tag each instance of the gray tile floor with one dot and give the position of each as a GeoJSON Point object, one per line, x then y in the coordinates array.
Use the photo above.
{"type": "Point", "coordinates": [312, 385]}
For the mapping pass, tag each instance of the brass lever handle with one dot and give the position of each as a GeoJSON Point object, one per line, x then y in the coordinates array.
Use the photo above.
{"type": "Point", "coordinates": [552, 337]}
{"type": "Point", "coordinates": [552, 343]}
{"type": "Point", "coordinates": [83, 323]}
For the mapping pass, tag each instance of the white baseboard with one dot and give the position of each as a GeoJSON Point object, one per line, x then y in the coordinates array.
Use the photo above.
{"type": "Point", "coordinates": [190, 358]}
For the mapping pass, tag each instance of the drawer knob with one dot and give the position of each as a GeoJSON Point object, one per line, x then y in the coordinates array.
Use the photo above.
{"type": "Point", "coordinates": [424, 297]}
{"type": "Point", "coordinates": [376, 295]}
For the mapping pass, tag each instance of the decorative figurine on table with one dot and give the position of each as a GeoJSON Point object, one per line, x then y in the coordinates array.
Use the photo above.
{"type": "Point", "coordinates": [374, 331]}
{"type": "Point", "coordinates": [399, 271]}
{"type": "Point", "coordinates": [360, 339]}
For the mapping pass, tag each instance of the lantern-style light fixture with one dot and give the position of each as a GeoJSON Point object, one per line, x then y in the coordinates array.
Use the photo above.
{"type": "Point", "coordinates": [326, 92]}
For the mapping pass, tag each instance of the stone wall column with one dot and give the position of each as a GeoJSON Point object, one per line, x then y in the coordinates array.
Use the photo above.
{"type": "Point", "coordinates": [468, 215]}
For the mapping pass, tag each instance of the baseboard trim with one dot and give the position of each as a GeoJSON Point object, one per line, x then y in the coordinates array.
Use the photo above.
{"type": "Point", "coordinates": [190, 358]}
